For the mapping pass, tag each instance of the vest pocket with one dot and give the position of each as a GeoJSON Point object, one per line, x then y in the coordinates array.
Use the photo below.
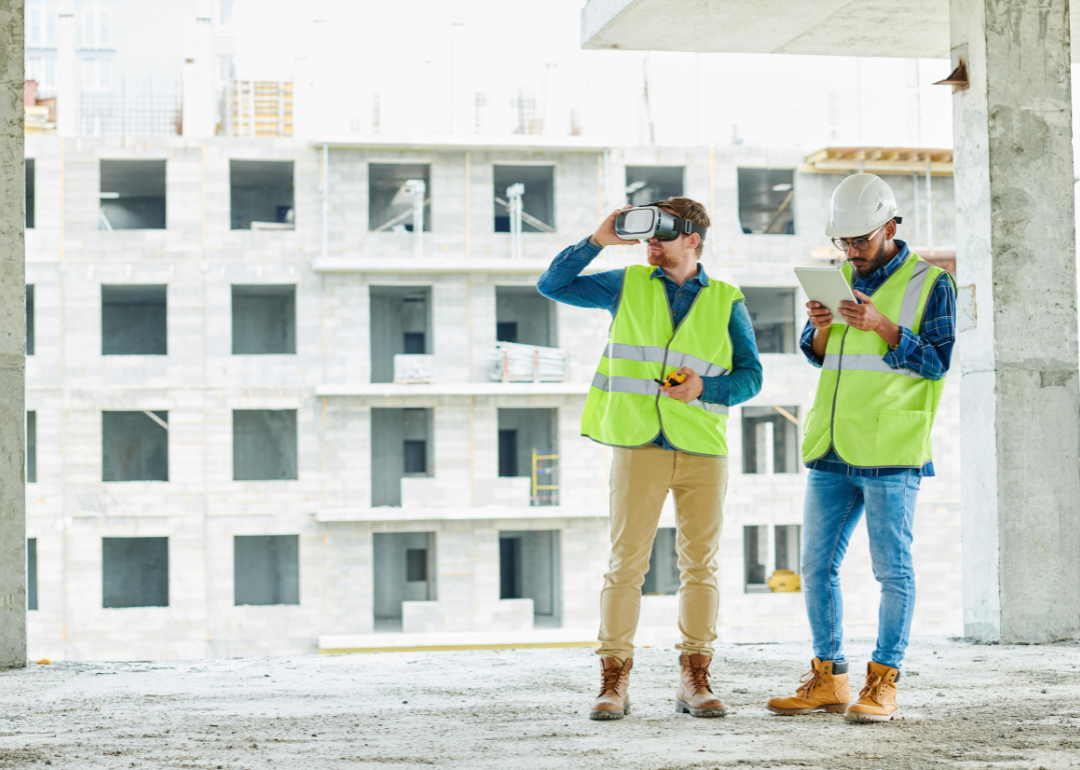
{"type": "Point", "coordinates": [902, 437]}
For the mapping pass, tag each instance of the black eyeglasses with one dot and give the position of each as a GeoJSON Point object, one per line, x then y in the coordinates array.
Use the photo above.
{"type": "Point", "coordinates": [862, 244]}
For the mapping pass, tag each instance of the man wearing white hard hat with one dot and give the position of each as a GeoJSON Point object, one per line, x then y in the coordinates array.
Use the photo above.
{"type": "Point", "coordinates": [867, 440]}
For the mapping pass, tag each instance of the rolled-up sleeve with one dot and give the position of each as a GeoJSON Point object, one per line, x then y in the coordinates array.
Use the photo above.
{"type": "Point", "coordinates": [744, 381]}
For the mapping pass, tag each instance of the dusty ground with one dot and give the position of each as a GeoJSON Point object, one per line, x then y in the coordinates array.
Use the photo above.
{"type": "Point", "coordinates": [966, 707]}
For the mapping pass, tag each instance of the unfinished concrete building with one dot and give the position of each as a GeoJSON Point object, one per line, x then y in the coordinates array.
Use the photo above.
{"type": "Point", "coordinates": [264, 419]}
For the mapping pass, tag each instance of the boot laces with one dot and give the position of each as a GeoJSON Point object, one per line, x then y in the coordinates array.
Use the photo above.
{"type": "Point", "coordinates": [809, 681]}
{"type": "Point", "coordinates": [874, 686]}
{"type": "Point", "coordinates": [610, 678]}
{"type": "Point", "coordinates": [699, 677]}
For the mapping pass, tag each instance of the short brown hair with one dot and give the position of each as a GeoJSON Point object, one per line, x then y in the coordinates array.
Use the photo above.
{"type": "Point", "coordinates": [687, 208]}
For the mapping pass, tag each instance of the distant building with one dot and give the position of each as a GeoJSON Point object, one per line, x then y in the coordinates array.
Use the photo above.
{"type": "Point", "coordinates": [261, 423]}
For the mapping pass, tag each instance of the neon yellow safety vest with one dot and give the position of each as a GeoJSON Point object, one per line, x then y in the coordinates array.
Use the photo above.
{"type": "Point", "coordinates": [875, 416]}
{"type": "Point", "coordinates": [625, 407]}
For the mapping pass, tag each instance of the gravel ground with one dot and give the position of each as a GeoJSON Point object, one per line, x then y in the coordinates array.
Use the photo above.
{"type": "Point", "coordinates": [965, 706]}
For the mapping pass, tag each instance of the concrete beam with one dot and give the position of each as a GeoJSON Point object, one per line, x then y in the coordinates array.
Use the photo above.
{"type": "Point", "coordinates": [1016, 260]}
{"type": "Point", "coordinates": [12, 341]}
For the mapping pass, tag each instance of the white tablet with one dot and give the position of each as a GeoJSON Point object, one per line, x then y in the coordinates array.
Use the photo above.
{"type": "Point", "coordinates": [826, 285]}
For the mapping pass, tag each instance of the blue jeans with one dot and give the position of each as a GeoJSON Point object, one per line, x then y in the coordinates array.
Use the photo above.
{"type": "Point", "coordinates": [834, 505]}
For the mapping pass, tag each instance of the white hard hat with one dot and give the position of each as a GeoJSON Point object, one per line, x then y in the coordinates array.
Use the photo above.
{"type": "Point", "coordinates": [861, 204]}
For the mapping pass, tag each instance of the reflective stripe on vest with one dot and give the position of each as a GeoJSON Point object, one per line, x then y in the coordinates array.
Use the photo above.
{"type": "Point", "coordinates": [871, 415]}
{"type": "Point", "coordinates": [626, 407]}
{"type": "Point", "coordinates": [647, 388]}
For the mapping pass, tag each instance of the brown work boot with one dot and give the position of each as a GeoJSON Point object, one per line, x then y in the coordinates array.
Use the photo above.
{"type": "Point", "coordinates": [695, 696]}
{"type": "Point", "coordinates": [877, 701]}
{"type": "Point", "coordinates": [824, 688]}
{"type": "Point", "coordinates": [613, 702]}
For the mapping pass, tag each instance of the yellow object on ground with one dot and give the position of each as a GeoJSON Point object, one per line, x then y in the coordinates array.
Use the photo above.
{"type": "Point", "coordinates": [44, 662]}
{"type": "Point", "coordinates": [784, 581]}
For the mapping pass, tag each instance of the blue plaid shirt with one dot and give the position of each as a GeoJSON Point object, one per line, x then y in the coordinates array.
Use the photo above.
{"type": "Point", "coordinates": [563, 282]}
{"type": "Point", "coordinates": [927, 354]}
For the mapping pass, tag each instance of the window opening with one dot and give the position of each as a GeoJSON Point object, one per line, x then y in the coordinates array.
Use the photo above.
{"type": "Point", "coordinates": [538, 200]}
{"type": "Point", "coordinates": [766, 200]}
{"type": "Point", "coordinates": [264, 445]}
{"type": "Point", "coordinates": [134, 320]}
{"type": "Point", "coordinates": [30, 197]}
{"type": "Point", "coordinates": [31, 447]}
{"type": "Point", "coordinates": [755, 558]}
{"type": "Point", "coordinates": [30, 320]}
{"type": "Point", "coordinates": [135, 572]}
{"type": "Point", "coordinates": [404, 571]}
{"type": "Point", "coordinates": [263, 319]}
{"type": "Point", "coordinates": [401, 442]}
{"type": "Point", "coordinates": [261, 195]}
{"type": "Point", "coordinates": [528, 446]}
{"type": "Point", "coordinates": [132, 195]}
{"type": "Point", "coordinates": [390, 202]}
{"type": "Point", "coordinates": [266, 569]}
{"type": "Point", "coordinates": [400, 321]}
{"type": "Point", "coordinates": [662, 579]}
{"type": "Point", "coordinates": [645, 184]}
{"type": "Point", "coordinates": [525, 314]}
{"type": "Point", "coordinates": [31, 574]}
{"type": "Point", "coordinates": [772, 313]}
{"type": "Point", "coordinates": [529, 568]}
{"type": "Point", "coordinates": [770, 439]}
{"type": "Point", "coordinates": [135, 446]}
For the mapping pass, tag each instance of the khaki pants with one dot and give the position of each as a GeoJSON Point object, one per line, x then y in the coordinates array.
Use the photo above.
{"type": "Point", "coordinates": [640, 480]}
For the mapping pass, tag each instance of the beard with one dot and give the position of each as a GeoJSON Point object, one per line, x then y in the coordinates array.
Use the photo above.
{"type": "Point", "coordinates": [881, 258]}
{"type": "Point", "coordinates": [660, 259]}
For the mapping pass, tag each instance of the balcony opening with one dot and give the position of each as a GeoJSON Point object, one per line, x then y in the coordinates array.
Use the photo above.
{"type": "Point", "coordinates": [772, 313]}
{"type": "Point", "coordinates": [402, 446]}
{"type": "Point", "coordinates": [135, 446]}
{"type": "Point", "coordinates": [662, 579]}
{"type": "Point", "coordinates": [537, 202]}
{"type": "Point", "coordinates": [31, 447]}
{"type": "Point", "coordinates": [525, 316]}
{"type": "Point", "coordinates": [755, 559]}
{"type": "Point", "coordinates": [770, 439]}
{"type": "Point", "coordinates": [400, 325]}
{"type": "Point", "coordinates": [30, 197]}
{"type": "Point", "coordinates": [767, 201]}
{"type": "Point", "coordinates": [134, 320]}
{"type": "Point", "coordinates": [31, 574]}
{"type": "Point", "coordinates": [135, 572]}
{"type": "Point", "coordinates": [263, 319]}
{"type": "Point", "coordinates": [529, 568]}
{"type": "Point", "coordinates": [390, 202]}
{"type": "Point", "coordinates": [528, 446]}
{"type": "Point", "coordinates": [132, 195]}
{"type": "Point", "coordinates": [264, 445]}
{"type": "Point", "coordinates": [404, 571]}
{"type": "Point", "coordinates": [30, 320]}
{"type": "Point", "coordinates": [261, 194]}
{"type": "Point", "coordinates": [645, 184]}
{"type": "Point", "coordinates": [266, 569]}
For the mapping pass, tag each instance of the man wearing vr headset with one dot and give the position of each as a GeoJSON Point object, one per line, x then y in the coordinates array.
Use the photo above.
{"type": "Point", "coordinates": [867, 440]}
{"type": "Point", "coordinates": [667, 436]}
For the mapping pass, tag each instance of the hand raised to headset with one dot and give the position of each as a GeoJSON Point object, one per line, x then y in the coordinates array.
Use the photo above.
{"type": "Point", "coordinates": [605, 234]}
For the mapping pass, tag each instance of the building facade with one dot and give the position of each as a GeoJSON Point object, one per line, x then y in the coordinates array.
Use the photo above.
{"type": "Point", "coordinates": [264, 420]}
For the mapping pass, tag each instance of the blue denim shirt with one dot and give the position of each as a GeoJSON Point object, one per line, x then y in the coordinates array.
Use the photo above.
{"type": "Point", "coordinates": [928, 353]}
{"type": "Point", "coordinates": [563, 282]}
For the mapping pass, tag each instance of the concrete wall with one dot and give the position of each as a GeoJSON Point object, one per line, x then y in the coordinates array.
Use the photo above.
{"type": "Point", "coordinates": [200, 383]}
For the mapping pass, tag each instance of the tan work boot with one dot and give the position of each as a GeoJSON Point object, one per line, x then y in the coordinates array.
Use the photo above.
{"type": "Point", "coordinates": [824, 688]}
{"type": "Point", "coordinates": [877, 701]}
{"type": "Point", "coordinates": [695, 696]}
{"type": "Point", "coordinates": [613, 702]}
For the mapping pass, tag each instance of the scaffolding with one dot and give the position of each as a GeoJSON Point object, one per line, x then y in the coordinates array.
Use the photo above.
{"type": "Point", "coordinates": [544, 466]}
{"type": "Point", "coordinates": [260, 108]}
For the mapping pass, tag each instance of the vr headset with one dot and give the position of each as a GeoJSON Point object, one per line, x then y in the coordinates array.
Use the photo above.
{"type": "Point", "coordinates": [650, 221]}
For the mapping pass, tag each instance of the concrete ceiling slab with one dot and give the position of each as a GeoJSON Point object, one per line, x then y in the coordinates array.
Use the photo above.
{"type": "Point", "coordinates": [893, 28]}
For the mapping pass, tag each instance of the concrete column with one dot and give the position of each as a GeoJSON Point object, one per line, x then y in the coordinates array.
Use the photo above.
{"type": "Point", "coordinates": [12, 342]}
{"type": "Point", "coordinates": [1020, 396]}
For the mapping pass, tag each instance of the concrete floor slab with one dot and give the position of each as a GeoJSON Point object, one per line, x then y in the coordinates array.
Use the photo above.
{"type": "Point", "coordinates": [967, 707]}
